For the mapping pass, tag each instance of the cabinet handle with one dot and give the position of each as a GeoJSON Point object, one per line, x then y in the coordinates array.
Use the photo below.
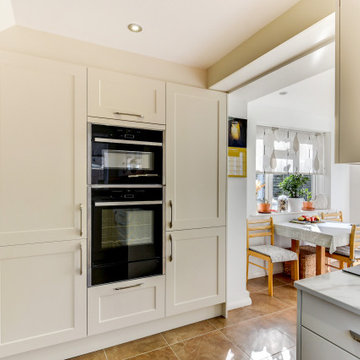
{"type": "Point", "coordinates": [128, 114]}
{"type": "Point", "coordinates": [81, 259]}
{"type": "Point", "coordinates": [81, 220]}
{"type": "Point", "coordinates": [171, 214]}
{"type": "Point", "coordinates": [171, 248]}
{"type": "Point", "coordinates": [128, 287]}
{"type": "Point", "coordinates": [355, 335]}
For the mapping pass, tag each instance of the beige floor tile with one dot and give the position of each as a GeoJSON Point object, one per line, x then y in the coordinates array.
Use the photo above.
{"type": "Point", "coordinates": [258, 338]}
{"type": "Point", "coordinates": [188, 332]}
{"type": "Point", "coordinates": [285, 321]}
{"type": "Point", "coordinates": [261, 283]}
{"type": "Point", "coordinates": [263, 304]}
{"type": "Point", "coordinates": [286, 294]}
{"type": "Point", "coordinates": [288, 354]}
{"type": "Point", "coordinates": [97, 355]}
{"type": "Point", "coordinates": [234, 317]}
{"type": "Point", "coordinates": [161, 354]}
{"type": "Point", "coordinates": [135, 348]}
{"type": "Point", "coordinates": [213, 346]}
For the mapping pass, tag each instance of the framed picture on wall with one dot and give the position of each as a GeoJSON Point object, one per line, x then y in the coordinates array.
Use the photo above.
{"type": "Point", "coordinates": [237, 141]}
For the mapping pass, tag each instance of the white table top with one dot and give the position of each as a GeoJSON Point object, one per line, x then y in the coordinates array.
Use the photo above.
{"type": "Point", "coordinates": [340, 288]}
{"type": "Point", "coordinates": [327, 234]}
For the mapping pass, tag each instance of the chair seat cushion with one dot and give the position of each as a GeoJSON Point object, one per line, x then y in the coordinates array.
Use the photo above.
{"type": "Point", "coordinates": [345, 251]}
{"type": "Point", "coordinates": [277, 254]}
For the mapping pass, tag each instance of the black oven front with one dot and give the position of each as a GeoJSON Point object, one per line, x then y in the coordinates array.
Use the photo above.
{"type": "Point", "coordinates": [121, 155]}
{"type": "Point", "coordinates": [126, 233]}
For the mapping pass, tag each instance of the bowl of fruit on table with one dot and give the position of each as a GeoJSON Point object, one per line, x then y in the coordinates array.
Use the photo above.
{"type": "Point", "coordinates": [309, 219]}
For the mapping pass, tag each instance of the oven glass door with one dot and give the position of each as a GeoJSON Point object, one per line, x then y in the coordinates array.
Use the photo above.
{"type": "Point", "coordinates": [114, 163]}
{"type": "Point", "coordinates": [126, 240]}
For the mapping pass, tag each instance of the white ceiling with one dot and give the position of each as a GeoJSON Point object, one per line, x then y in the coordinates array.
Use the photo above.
{"type": "Point", "coordinates": [190, 32]}
{"type": "Point", "coordinates": [314, 95]}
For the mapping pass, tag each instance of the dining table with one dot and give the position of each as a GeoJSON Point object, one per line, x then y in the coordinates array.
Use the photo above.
{"type": "Point", "coordinates": [323, 235]}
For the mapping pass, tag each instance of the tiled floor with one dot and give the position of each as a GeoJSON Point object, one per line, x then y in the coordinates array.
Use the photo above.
{"type": "Point", "coordinates": [263, 331]}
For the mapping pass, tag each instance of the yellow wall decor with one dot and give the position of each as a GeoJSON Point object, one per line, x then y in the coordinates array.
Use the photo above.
{"type": "Point", "coordinates": [237, 137]}
{"type": "Point", "coordinates": [236, 162]}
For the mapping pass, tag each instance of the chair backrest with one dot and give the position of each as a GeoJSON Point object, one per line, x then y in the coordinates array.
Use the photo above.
{"type": "Point", "coordinates": [335, 216]}
{"type": "Point", "coordinates": [259, 228]}
{"type": "Point", "coordinates": [354, 240]}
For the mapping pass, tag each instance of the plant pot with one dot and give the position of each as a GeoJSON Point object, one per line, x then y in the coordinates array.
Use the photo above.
{"type": "Point", "coordinates": [264, 207]}
{"type": "Point", "coordinates": [307, 205]}
{"type": "Point", "coordinates": [295, 204]}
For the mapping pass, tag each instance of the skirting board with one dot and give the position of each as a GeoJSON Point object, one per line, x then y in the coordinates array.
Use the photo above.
{"type": "Point", "coordinates": [101, 341]}
{"type": "Point", "coordinates": [244, 301]}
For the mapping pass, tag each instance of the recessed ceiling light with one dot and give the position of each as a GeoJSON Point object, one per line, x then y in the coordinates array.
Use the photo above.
{"type": "Point", "coordinates": [283, 93]}
{"type": "Point", "coordinates": [135, 28]}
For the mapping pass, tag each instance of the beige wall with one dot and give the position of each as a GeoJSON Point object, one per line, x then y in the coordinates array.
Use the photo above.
{"type": "Point", "coordinates": [57, 47]}
{"type": "Point", "coordinates": [301, 16]}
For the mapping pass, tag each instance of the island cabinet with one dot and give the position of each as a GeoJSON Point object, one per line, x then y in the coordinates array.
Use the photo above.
{"type": "Point", "coordinates": [42, 295]}
{"type": "Point", "coordinates": [42, 150]}
{"type": "Point", "coordinates": [119, 96]}
{"type": "Point", "coordinates": [195, 198]}
{"type": "Point", "coordinates": [347, 82]}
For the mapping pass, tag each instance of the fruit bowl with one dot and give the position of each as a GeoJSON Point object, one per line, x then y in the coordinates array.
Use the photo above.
{"type": "Point", "coordinates": [309, 219]}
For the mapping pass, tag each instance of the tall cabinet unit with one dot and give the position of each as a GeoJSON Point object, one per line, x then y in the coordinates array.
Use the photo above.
{"type": "Point", "coordinates": [42, 203]}
{"type": "Point", "coordinates": [347, 82]}
{"type": "Point", "coordinates": [195, 198]}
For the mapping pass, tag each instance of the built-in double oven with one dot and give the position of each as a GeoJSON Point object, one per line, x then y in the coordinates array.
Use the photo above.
{"type": "Point", "coordinates": [125, 203]}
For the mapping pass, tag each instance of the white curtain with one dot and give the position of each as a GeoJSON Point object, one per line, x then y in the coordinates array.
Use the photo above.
{"type": "Point", "coordinates": [284, 151]}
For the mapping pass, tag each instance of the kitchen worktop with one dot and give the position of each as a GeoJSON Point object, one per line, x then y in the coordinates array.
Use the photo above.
{"type": "Point", "coordinates": [339, 288]}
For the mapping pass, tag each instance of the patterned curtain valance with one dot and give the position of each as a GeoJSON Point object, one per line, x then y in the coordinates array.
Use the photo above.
{"type": "Point", "coordinates": [284, 151]}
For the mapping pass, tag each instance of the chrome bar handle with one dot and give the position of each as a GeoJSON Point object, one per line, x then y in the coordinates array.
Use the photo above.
{"type": "Point", "coordinates": [142, 175]}
{"type": "Point", "coordinates": [171, 214]}
{"type": "Point", "coordinates": [355, 335]}
{"type": "Point", "coordinates": [171, 248]}
{"type": "Point", "coordinates": [128, 114]}
{"type": "Point", "coordinates": [81, 260]}
{"type": "Point", "coordinates": [81, 220]}
{"type": "Point", "coordinates": [128, 287]}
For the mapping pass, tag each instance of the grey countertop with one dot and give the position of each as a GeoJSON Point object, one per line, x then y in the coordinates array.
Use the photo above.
{"type": "Point", "coordinates": [338, 287]}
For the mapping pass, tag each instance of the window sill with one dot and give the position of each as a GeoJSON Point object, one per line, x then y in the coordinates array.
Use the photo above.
{"type": "Point", "coordinates": [285, 213]}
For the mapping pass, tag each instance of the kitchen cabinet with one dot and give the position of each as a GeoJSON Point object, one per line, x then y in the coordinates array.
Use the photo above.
{"type": "Point", "coordinates": [42, 295]}
{"type": "Point", "coordinates": [347, 82]}
{"type": "Point", "coordinates": [195, 269]}
{"type": "Point", "coordinates": [196, 157]}
{"type": "Point", "coordinates": [125, 97]}
{"type": "Point", "coordinates": [118, 305]}
{"type": "Point", "coordinates": [42, 150]}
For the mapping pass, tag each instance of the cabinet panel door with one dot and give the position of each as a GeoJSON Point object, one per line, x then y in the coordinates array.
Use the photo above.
{"type": "Point", "coordinates": [118, 305]}
{"type": "Point", "coordinates": [42, 295]}
{"type": "Point", "coordinates": [125, 97]}
{"type": "Point", "coordinates": [42, 150]}
{"type": "Point", "coordinates": [314, 347]}
{"type": "Point", "coordinates": [348, 82]}
{"type": "Point", "coordinates": [195, 157]}
{"type": "Point", "coordinates": [195, 269]}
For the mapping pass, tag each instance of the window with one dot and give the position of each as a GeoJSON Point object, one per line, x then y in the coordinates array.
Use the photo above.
{"type": "Point", "coordinates": [280, 152]}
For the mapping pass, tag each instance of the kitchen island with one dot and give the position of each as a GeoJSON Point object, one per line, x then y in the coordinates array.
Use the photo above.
{"type": "Point", "coordinates": [329, 317]}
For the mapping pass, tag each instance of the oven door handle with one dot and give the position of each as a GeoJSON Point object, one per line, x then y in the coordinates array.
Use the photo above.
{"type": "Point", "coordinates": [127, 142]}
{"type": "Point", "coordinates": [127, 203]}
{"type": "Point", "coordinates": [142, 175]}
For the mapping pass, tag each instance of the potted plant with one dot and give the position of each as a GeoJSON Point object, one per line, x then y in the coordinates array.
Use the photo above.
{"type": "Point", "coordinates": [292, 186]}
{"type": "Point", "coordinates": [264, 207]}
{"type": "Point", "coordinates": [307, 204]}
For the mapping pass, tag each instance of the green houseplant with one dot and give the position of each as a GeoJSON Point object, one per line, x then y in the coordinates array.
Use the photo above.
{"type": "Point", "coordinates": [307, 204]}
{"type": "Point", "coordinates": [292, 186]}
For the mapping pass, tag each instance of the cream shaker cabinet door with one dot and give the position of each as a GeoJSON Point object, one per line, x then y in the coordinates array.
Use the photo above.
{"type": "Point", "coordinates": [125, 97]}
{"type": "Point", "coordinates": [195, 157]}
{"type": "Point", "coordinates": [42, 150]}
{"type": "Point", "coordinates": [42, 295]}
{"type": "Point", "coordinates": [348, 82]}
{"type": "Point", "coordinates": [195, 269]}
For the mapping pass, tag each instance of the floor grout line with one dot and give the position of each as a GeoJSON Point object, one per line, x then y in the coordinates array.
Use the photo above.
{"type": "Point", "coordinates": [146, 352]}
{"type": "Point", "coordinates": [105, 354]}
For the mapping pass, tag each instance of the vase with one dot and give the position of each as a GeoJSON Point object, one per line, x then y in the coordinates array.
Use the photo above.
{"type": "Point", "coordinates": [264, 208]}
{"type": "Point", "coordinates": [295, 204]}
{"type": "Point", "coordinates": [308, 205]}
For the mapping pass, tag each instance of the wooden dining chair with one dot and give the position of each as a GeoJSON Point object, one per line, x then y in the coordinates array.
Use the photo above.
{"type": "Point", "coordinates": [349, 255]}
{"type": "Point", "coordinates": [264, 228]}
{"type": "Point", "coordinates": [335, 216]}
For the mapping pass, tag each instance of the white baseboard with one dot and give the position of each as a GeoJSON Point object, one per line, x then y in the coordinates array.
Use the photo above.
{"type": "Point", "coordinates": [244, 301]}
{"type": "Point", "coordinates": [101, 341]}
{"type": "Point", "coordinates": [257, 272]}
